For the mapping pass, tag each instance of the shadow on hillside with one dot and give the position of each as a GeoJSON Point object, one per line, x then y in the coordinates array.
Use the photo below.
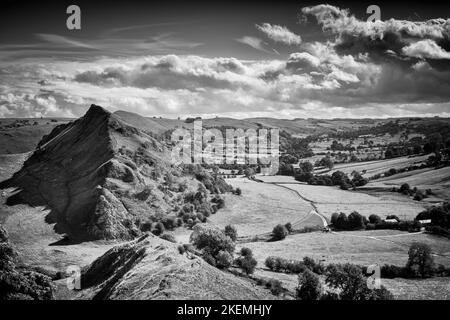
{"type": "Point", "coordinates": [19, 196]}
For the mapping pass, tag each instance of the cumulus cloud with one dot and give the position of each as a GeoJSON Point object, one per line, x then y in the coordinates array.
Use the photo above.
{"type": "Point", "coordinates": [425, 49]}
{"type": "Point", "coordinates": [280, 34]}
{"type": "Point", "coordinates": [387, 39]}
{"type": "Point", "coordinates": [385, 68]}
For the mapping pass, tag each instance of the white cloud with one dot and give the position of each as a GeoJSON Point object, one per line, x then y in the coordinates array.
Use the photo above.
{"type": "Point", "coordinates": [254, 42]}
{"type": "Point", "coordinates": [280, 34]}
{"type": "Point", "coordinates": [425, 49]}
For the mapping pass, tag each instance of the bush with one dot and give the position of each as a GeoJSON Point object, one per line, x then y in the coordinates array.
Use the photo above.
{"type": "Point", "coordinates": [279, 232]}
{"type": "Point", "coordinates": [246, 252]}
{"type": "Point", "coordinates": [247, 264]}
{"type": "Point", "coordinates": [309, 287]}
{"type": "Point", "coordinates": [168, 237]}
{"type": "Point", "coordinates": [246, 261]}
{"type": "Point", "coordinates": [181, 249]}
{"type": "Point", "coordinates": [275, 286]}
{"type": "Point", "coordinates": [231, 232]}
{"type": "Point", "coordinates": [404, 188]}
{"type": "Point", "coordinates": [271, 263]}
{"type": "Point", "coordinates": [224, 259]}
{"type": "Point", "coordinates": [238, 191]}
{"type": "Point", "coordinates": [289, 227]}
{"type": "Point", "coordinates": [158, 229]}
{"type": "Point", "coordinates": [312, 265]}
{"type": "Point", "coordinates": [209, 259]}
{"type": "Point", "coordinates": [390, 271]}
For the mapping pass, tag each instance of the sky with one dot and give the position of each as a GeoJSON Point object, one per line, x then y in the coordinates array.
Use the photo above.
{"type": "Point", "coordinates": [240, 59]}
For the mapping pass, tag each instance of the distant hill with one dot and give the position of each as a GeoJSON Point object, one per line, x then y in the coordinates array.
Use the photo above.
{"type": "Point", "coordinates": [22, 135]}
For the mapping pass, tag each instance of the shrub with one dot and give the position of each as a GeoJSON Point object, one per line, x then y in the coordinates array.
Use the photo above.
{"type": "Point", "coordinates": [246, 261]}
{"type": "Point", "coordinates": [169, 223]}
{"type": "Point", "coordinates": [246, 252]}
{"type": "Point", "coordinates": [146, 226]}
{"type": "Point", "coordinates": [231, 232]}
{"type": "Point", "coordinates": [209, 259]}
{"type": "Point", "coordinates": [224, 259]}
{"type": "Point", "coordinates": [279, 232]}
{"type": "Point", "coordinates": [289, 227]}
{"type": "Point", "coordinates": [168, 237]}
{"type": "Point", "coordinates": [390, 271]}
{"type": "Point", "coordinates": [275, 287]}
{"type": "Point", "coordinates": [181, 249]}
{"type": "Point", "coordinates": [309, 287]}
{"type": "Point", "coordinates": [404, 188]}
{"type": "Point", "coordinates": [247, 264]}
{"type": "Point", "coordinates": [238, 191]}
{"type": "Point", "coordinates": [158, 229]}
{"type": "Point", "coordinates": [271, 263]}
{"type": "Point", "coordinates": [312, 265]}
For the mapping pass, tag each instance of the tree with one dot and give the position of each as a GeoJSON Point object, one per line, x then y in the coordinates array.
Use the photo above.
{"type": "Point", "coordinates": [334, 218]}
{"type": "Point", "coordinates": [249, 172]}
{"type": "Point", "coordinates": [231, 232]}
{"type": "Point", "coordinates": [338, 178]}
{"type": "Point", "coordinates": [420, 261]}
{"type": "Point", "coordinates": [212, 241]}
{"type": "Point", "coordinates": [341, 221]}
{"type": "Point", "coordinates": [246, 252]}
{"type": "Point", "coordinates": [349, 280]}
{"type": "Point", "coordinates": [306, 167]}
{"type": "Point", "coordinates": [279, 232]}
{"type": "Point", "coordinates": [246, 261]}
{"type": "Point", "coordinates": [224, 259]}
{"type": "Point", "coordinates": [373, 218]}
{"type": "Point", "coordinates": [327, 162]}
{"type": "Point", "coordinates": [355, 221]}
{"type": "Point", "coordinates": [309, 287]}
{"type": "Point", "coordinates": [358, 180]}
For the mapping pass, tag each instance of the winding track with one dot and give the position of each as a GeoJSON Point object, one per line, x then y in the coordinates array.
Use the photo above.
{"type": "Point", "coordinates": [315, 211]}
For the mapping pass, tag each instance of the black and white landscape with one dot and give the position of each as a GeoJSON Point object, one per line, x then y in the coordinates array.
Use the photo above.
{"type": "Point", "coordinates": [349, 101]}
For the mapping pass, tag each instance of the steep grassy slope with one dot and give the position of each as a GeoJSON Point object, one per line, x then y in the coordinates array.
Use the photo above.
{"type": "Point", "coordinates": [100, 177]}
{"type": "Point", "coordinates": [151, 268]}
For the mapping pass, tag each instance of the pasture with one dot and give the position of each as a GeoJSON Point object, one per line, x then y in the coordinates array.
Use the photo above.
{"type": "Point", "coordinates": [259, 208]}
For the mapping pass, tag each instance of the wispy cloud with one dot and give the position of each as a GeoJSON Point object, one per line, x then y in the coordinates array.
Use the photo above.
{"type": "Point", "coordinates": [255, 43]}
{"type": "Point", "coordinates": [63, 41]}
{"type": "Point", "coordinates": [279, 34]}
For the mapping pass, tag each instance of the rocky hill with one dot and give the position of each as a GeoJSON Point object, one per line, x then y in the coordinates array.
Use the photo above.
{"type": "Point", "coordinates": [151, 268]}
{"type": "Point", "coordinates": [102, 179]}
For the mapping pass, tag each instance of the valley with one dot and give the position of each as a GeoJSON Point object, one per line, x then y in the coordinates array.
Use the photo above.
{"type": "Point", "coordinates": [100, 193]}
